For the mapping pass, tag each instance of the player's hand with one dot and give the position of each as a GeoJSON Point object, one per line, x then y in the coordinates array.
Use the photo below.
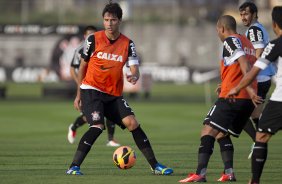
{"type": "Point", "coordinates": [254, 97]}
{"type": "Point", "coordinates": [231, 94]}
{"type": "Point", "coordinates": [131, 78]}
{"type": "Point", "coordinates": [218, 89]}
{"type": "Point", "coordinates": [77, 103]}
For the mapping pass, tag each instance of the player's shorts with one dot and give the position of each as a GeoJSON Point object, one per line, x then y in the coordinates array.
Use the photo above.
{"type": "Point", "coordinates": [97, 105]}
{"type": "Point", "coordinates": [271, 118]}
{"type": "Point", "coordinates": [263, 88]}
{"type": "Point", "coordinates": [229, 117]}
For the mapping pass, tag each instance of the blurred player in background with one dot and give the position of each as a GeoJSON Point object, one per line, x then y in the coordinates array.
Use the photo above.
{"type": "Point", "coordinates": [100, 94]}
{"type": "Point", "coordinates": [226, 118]}
{"type": "Point", "coordinates": [81, 120]}
{"type": "Point", "coordinates": [258, 35]}
{"type": "Point", "coordinates": [271, 119]}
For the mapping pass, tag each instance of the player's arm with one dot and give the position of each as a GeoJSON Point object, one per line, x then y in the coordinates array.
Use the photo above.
{"type": "Point", "coordinates": [246, 80]}
{"type": "Point", "coordinates": [245, 68]}
{"type": "Point", "coordinates": [259, 52]}
{"type": "Point", "coordinates": [269, 54]}
{"type": "Point", "coordinates": [88, 48]}
{"type": "Point", "coordinates": [133, 64]}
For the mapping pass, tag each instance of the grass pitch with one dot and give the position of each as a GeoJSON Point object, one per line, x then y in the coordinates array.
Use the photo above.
{"type": "Point", "coordinates": [34, 148]}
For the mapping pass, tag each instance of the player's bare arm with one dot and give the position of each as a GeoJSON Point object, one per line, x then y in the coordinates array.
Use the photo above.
{"type": "Point", "coordinates": [81, 74]}
{"type": "Point", "coordinates": [245, 67]}
{"type": "Point", "coordinates": [134, 76]}
{"type": "Point", "coordinates": [246, 80]}
{"type": "Point", "coordinates": [259, 52]}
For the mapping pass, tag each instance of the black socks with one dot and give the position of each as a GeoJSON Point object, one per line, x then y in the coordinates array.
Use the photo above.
{"type": "Point", "coordinates": [85, 145]}
{"type": "Point", "coordinates": [144, 146]}
{"type": "Point", "coordinates": [205, 151]}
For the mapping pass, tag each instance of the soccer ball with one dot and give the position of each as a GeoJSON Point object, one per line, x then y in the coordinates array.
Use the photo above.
{"type": "Point", "coordinates": [124, 157]}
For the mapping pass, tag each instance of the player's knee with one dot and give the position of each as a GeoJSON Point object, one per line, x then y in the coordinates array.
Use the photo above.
{"type": "Point", "coordinates": [207, 144]}
{"type": "Point", "coordinates": [263, 137]}
{"type": "Point", "coordinates": [130, 123]}
{"type": "Point", "coordinates": [208, 130]}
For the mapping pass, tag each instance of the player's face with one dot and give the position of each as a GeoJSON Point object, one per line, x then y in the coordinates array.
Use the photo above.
{"type": "Point", "coordinates": [111, 23]}
{"type": "Point", "coordinates": [246, 17]}
{"type": "Point", "coordinates": [219, 30]}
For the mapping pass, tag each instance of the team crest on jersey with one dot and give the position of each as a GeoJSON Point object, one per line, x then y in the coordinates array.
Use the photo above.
{"type": "Point", "coordinates": [96, 116]}
{"type": "Point", "coordinates": [109, 56]}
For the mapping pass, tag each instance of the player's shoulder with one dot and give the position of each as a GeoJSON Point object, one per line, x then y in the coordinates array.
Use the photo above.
{"type": "Point", "coordinates": [233, 42]}
{"type": "Point", "coordinates": [125, 37]}
{"type": "Point", "coordinates": [273, 48]}
{"type": "Point", "coordinates": [255, 28]}
{"type": "Point", "coordinates": [79, 47]}
{"type": "Point", "coordinates": [276, 42]}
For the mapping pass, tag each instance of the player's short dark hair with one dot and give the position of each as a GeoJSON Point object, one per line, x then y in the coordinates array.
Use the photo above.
{"type": "Point", "coordinates": [228, 22]}
{"type": "Point", "coordinates": [113, 8]}
{"type": "Point", "coordinates": [89, 28]}
{"type": "Point", "coordinates": [253, 8]}
{"type": "Point", "coordinates": [277, 15]}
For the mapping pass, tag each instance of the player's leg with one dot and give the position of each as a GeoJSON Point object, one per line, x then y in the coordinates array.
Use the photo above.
{"type": "Point", "coordinates": [94, 113]}
{"type": "Point", "coordinates": [143, 143]}
{"type": "Point", "coordinates": [259, 155]}
{"type": "Point", "coordinates": [129, 121]}
{"type": "Point", "coordinates": [227, 154]}
{"type": "Point", "coordinates": [214, 123]}
{"type": "Point", "coordinates": [242, 110]}
{"type": "Point", "coordinates": [250, 129]}
{"type": "Point", "coordinates": [111, 131]}
{"type": "Point", "coordinates": [269, 124]}
{"type": "Point", "coordinates": [80, 120]}
{"type": "Point", "coordinates": [205, 151]}
{"type": "Point", "coordinates": [252, 124]}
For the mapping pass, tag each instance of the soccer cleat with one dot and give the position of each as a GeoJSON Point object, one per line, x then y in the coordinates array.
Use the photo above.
{"type": "Point", "coordinates": [74, 170]}
{"type": "Point", "coordinates": [161, 170]}
{"type": "Point", "coordinates": [251, 153]}
{"type": "Point", "coordinates": [227, 177]}
{"type": "Point", "coordinates": [71, 135]}
{"type": "Point", "coordinates": [193, 177]}
{"type": "Point", "coordinates": [113, 143]}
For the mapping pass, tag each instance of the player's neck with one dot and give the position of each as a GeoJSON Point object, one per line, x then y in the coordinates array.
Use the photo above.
{"type": "Point", "coordinates": [254, 21]}
{"type": "Point", "coordinates": [112, 36]}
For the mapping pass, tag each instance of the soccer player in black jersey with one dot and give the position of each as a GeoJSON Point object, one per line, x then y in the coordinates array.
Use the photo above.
{"type": "Point", "coordinates": [271, 119]}
{"type": "Point", "coordinates": [81, 120]}
{"type": "Point", "coordinates": [258, 36]}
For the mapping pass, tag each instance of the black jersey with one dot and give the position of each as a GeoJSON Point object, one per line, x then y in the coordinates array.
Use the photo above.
{"type": "Point", "coordinates": [77, 56]}
{"type": "Point", "coordinates": [273, 54]}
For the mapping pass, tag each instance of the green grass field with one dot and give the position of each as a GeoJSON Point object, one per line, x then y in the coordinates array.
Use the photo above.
{"type": "Point", "coordinates": [34, 148]}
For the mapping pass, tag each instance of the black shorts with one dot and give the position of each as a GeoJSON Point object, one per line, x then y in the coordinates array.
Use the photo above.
{"type": "Point", "coordinates": [97, 105]}
{"type": "Point", "coordinates": [271, 118]}
{"type": "Point", "coordinates": [229, 117]}
{"type": "Point", "coordinates": [263, 88]}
